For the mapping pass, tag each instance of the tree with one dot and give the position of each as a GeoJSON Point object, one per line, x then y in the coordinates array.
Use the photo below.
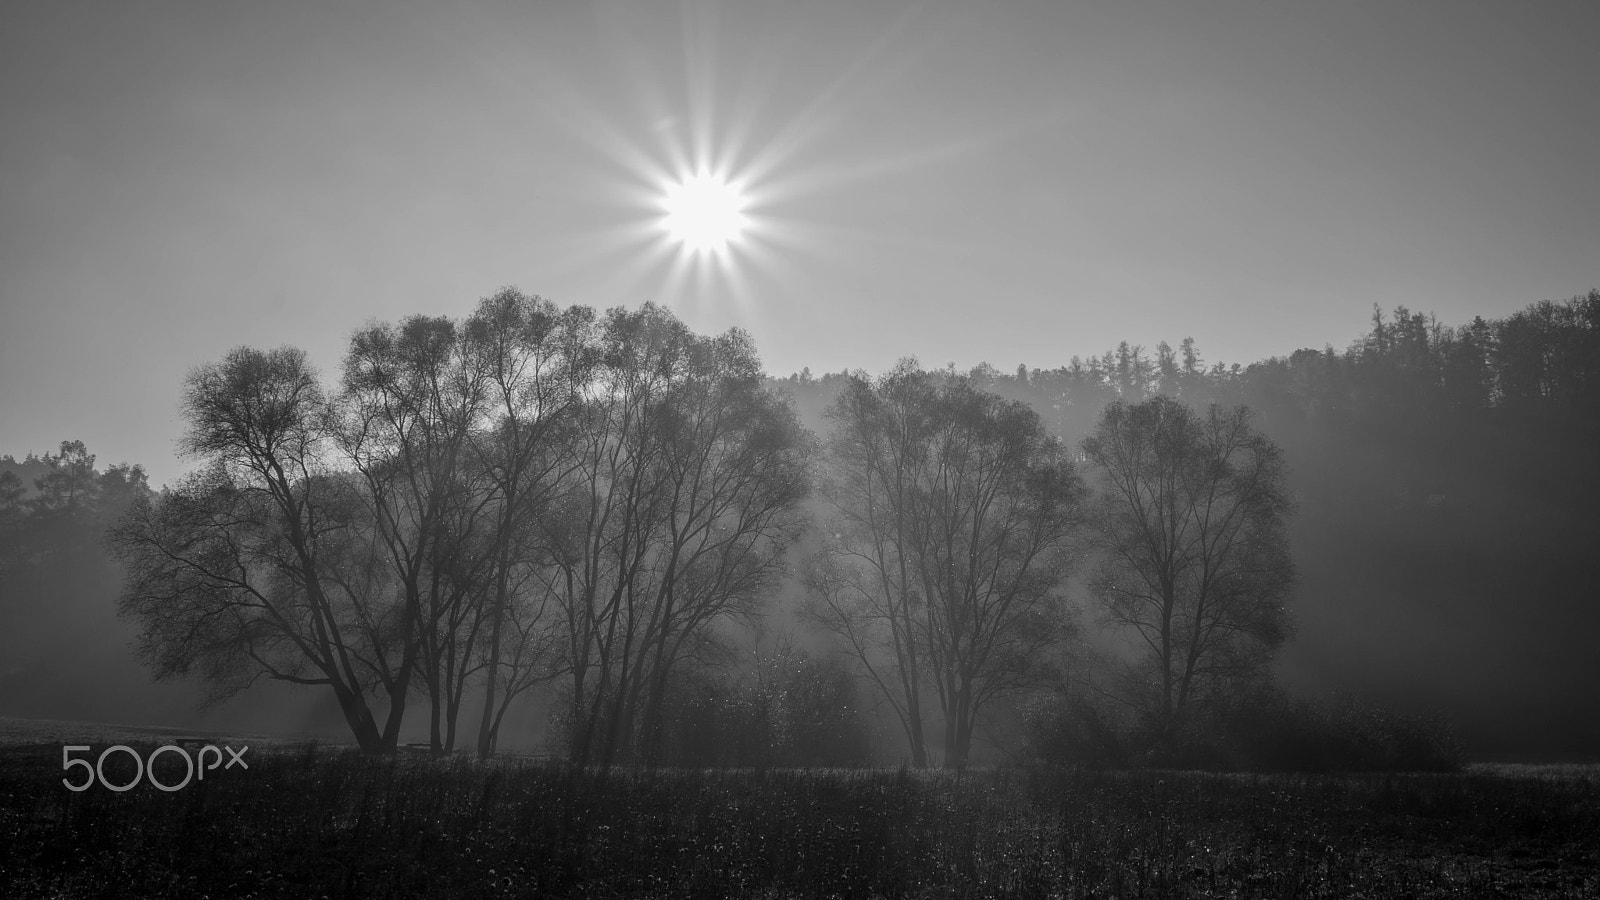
{"type": "Point", "coordinates": [366, 542]}
{"type": "Point", "coordinates": [534, 359]}
{"type": "Point", "coordinates": [411, 397]}
{"type": "Point", "coordinates": [11, 493]}
{"type": "Point", "coordinates": [953, 514]}
{"type": "Point", "coordinates": [70, 484]}
{"type": "Point", "coordinates": [1194, 561]}
{"type": "Point", "coordinates": [683, 499]}
{"type": "Point", "coordinates": [1168, 375]}
{"type": "Point", "coordinates": [862, 579]}
{"type": "Point", "coordinates": [260, 563]}
{"type": "Point", "coordinates": [56, 574]}
{"type": "Point", "coordinates": [426, 529]}
{"type": "Point", "coordinates": [992, 520]}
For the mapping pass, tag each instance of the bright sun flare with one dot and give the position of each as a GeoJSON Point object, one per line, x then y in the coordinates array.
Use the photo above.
{"type": "Point", "coordinates": [704, 213]}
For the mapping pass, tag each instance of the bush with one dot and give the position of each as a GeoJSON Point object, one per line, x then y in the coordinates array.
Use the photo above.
{"type": "Point", "coordinates": [1073, 731]}
{"type": "Point", "coordinates": [791, 710]}
{"type": "Point", "coordinates": [1260, 729]}
{"type": "Point", "coordinates": [1341, 733]}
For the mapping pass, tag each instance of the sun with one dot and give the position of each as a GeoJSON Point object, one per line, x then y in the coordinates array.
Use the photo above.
{"type": "Point", "coordinates": [704, 213]}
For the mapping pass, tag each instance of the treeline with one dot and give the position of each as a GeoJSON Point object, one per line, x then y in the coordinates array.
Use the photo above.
{"type": "Point", "coordinates": [600, 510]}
{"type": "Point", "coordinates": [1544, 357]}
{"type": "Point", "coordinates": [55, 576]}
{"type": "Point", "coordinates": [1446, 484]}
{"type": "Point", "coordinates": [59, 502]}
{"type": "Point", "coordinates": [535, 496]}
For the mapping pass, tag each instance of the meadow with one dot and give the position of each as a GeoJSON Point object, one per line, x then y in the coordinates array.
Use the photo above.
{"type": "Point", "coordinates": [308, 821]}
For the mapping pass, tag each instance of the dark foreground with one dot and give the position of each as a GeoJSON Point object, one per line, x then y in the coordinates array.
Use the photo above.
{"type": "Point", "coordinates": [311, 823]}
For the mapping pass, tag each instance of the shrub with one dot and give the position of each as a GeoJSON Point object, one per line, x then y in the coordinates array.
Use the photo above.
{"type": "Point", "coordinates": [1073, 731]}
{"type": "Point", "coordinates": [1342, 732]}
{"type": "Point", "coordinates": [790, 710]}
{"type": "Point", "coordinates": [1257, 729]}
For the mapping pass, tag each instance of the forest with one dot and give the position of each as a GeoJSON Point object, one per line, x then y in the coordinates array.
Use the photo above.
{"type": "Point", "coordinates": [1369, 557]}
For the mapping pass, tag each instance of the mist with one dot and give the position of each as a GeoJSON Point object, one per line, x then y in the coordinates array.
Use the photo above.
{"type": "Point", "coordinates": [1440, 474]}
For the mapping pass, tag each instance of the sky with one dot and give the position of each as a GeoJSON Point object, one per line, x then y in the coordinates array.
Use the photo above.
{"type": "Point", "coordinates": [1000, 182]}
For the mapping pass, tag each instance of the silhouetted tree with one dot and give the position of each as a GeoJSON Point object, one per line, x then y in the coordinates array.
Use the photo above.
{"type": "Point", "coordinates": [953, 512]}
{"type": "Point", "coordinates": [260, 564]}
{"type": "Point", "coordinates": [55, 572]}
{"type": "Point", "coordinates": [411, 397]}
{"type": "Point", "coordinates": [534, 359]}
{"type": "Point", "coordinates": [1194, 564]}
{"type": "Point", "coordinates": [684, 496]}
{"type": "Point", "coordinates": [863, 580]}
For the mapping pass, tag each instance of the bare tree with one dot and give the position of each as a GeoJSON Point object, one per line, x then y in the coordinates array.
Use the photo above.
{"type": "Point", "coordinates": [258, 565]}
{"type": "Point", "coordinates": [954, 512]}
{"type": "Point", "coordinates": [863, 578]}
{"type": "Point", "coordinates": [410, 400]}
{"type": "Point", "coordinates": [358, 543]}
{"type": "Point", "coordinates": [994, 516]}
{"type": "Point", "coordinates": [526, 494]}
{"type": "Point", "coordinates": [1195, 563]}
{"type": "Point", "coordinates": [534, 359]}
{"type": "Point", "coordinates": [683, 501]}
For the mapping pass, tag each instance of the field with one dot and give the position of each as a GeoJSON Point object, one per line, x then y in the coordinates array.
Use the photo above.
{"type": "Point", "coordinates": [304, 821]}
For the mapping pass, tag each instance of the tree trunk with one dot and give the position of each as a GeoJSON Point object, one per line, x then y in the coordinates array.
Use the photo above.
{"type": "Point", "coordinates": [486, 727]}
{"type": "Point", "coordinates": [435, 733]}
{"type": "Point", "coordinates": [402, 684]}
{"type": "Point", "coordinates": [359, 718]}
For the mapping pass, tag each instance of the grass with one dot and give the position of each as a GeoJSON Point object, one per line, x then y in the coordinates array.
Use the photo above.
{"type": "Point", "coordinates": [308, 822]}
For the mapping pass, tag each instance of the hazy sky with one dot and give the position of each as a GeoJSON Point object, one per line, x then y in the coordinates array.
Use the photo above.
{"type": "Point", "coordinates": [1010, 182]}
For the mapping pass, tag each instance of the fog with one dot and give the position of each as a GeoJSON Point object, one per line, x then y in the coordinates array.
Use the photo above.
{"type": "Point", "coordinates": [1441, 535]}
